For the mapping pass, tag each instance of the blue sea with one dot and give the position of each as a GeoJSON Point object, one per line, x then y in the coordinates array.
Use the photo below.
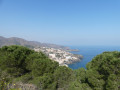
{"type": "Point", "coordinates": [89, 52]}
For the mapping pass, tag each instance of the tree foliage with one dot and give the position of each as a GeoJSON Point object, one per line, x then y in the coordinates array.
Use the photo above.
{"type": "Point", "coordinates": [20, 64]}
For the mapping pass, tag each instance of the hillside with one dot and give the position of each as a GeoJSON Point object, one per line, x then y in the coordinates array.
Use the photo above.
{"type": "Point", "coordinates": [31, 44]}
{"type": "Point", "coordinates": [24, 69]}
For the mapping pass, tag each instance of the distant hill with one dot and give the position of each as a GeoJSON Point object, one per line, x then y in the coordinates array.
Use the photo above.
{"type": "Point", "coordinates": [31, 44]}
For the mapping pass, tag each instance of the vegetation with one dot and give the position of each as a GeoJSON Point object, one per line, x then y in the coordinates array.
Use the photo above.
{"type": "Point", "coordinates": [19, 64]}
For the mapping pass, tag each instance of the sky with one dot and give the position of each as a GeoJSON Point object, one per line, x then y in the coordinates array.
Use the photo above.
{"type": "Point", "coordinates": [63, 22]}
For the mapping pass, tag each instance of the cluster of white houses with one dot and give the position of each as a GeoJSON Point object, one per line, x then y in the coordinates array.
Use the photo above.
{"type": "Point", "coordinates": [61, 56]}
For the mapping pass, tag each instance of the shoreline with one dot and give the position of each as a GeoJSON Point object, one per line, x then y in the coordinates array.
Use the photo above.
{"type": "Point", "coordinates": [63, 57]}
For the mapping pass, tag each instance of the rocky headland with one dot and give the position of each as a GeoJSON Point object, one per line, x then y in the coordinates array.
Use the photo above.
{"type": "Point", "coordinates": [63, 57]}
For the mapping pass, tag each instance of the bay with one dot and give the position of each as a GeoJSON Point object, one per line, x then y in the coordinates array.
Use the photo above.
{"type": "Point", "coordinates": [89, 52]}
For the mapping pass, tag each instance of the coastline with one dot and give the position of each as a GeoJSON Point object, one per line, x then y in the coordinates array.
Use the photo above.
{"type": "Point", "coordinates": [63, 57]}
{"type": "Point", "coordinates": [72, 61]}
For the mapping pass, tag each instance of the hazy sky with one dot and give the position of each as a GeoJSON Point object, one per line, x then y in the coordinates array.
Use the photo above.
{"type": "Point", "coordinates": [64, 22]}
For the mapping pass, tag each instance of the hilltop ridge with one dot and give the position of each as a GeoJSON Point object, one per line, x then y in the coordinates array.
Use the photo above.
{"type": "Point", "coordinates": [31, 44]}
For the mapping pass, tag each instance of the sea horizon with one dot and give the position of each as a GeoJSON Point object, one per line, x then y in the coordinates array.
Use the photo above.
{"type": "Point", "coordinates": [88, 53]}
